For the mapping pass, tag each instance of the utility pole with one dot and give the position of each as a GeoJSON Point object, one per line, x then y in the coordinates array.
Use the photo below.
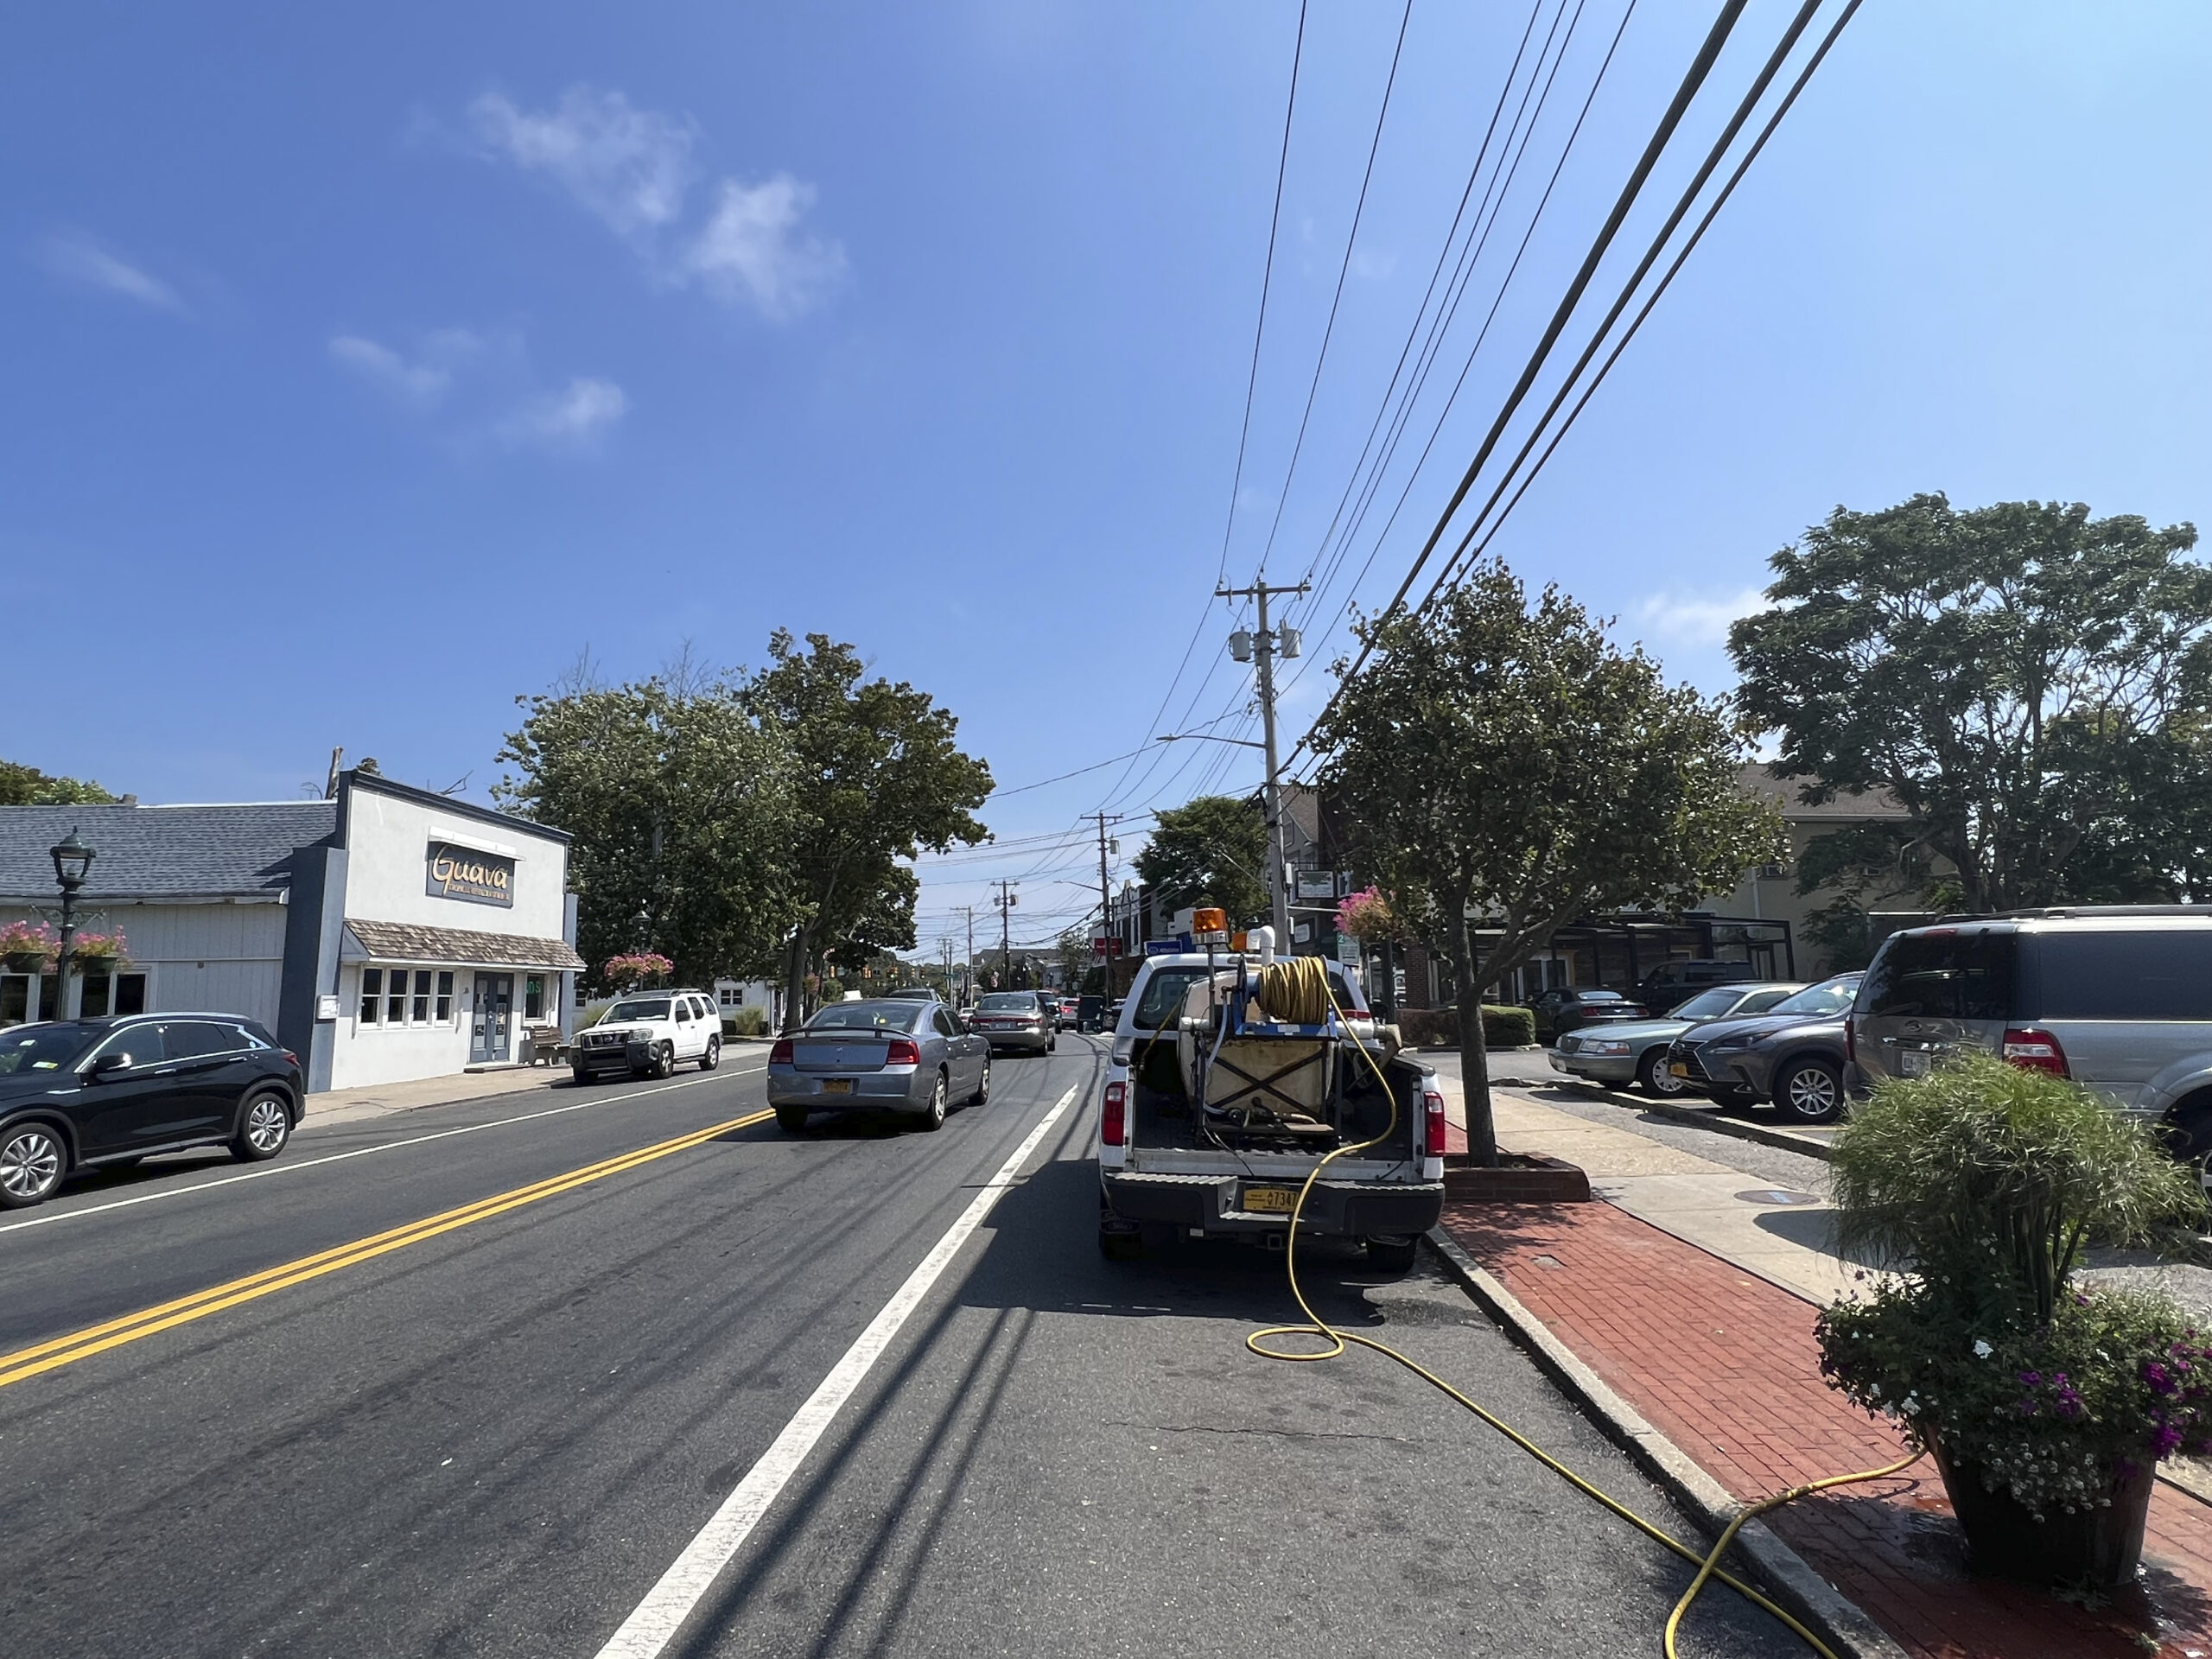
{"type": "Point", "coordinates": [1106, 899]}
{"type": "Point", "coordinates": [968, 967]}
{"type": "Point", "coordinates": [1262, 647]}
{"type": "Point", "coordinates": [1006, 899]}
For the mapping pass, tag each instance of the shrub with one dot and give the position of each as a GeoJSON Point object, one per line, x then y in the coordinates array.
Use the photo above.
{"type": "Point", "coordinates": [748, 1022]}
{"type": "Point", "coordinates": [1503, 1028]}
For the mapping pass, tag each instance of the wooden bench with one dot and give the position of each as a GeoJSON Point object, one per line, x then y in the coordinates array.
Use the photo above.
{"type": "Point", "coordinates": [545, 1044]}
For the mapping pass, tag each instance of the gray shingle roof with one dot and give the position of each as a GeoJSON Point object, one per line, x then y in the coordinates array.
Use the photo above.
{"type": "Point", "coordinates": [411, 942]}
{"type": "Point", "coordinates": [155, 852]}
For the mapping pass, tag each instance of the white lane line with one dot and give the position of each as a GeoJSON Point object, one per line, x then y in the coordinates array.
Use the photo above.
{"type": "Point", "coordinates": [649, 1630]}
{"type": "Point", "coordinates": [267, 1170]}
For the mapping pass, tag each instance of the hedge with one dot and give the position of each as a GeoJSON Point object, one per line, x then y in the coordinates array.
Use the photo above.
{"type": "Point", "coordinates": [1503, 1028]}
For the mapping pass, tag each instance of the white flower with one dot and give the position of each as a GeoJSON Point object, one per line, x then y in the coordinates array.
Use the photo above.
{"type": "Point", "coordinates": [1910, 1404]}
{"type": "Point", "coordinates": [1982, 1350]}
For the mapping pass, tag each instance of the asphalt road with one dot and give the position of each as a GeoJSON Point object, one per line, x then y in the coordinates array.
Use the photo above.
{"type": "Point", "coordinates": [495, 1435]}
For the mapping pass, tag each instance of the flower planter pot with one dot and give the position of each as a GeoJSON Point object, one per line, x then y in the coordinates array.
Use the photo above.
{"type": "Point", "coordinates": [27, 962]}
{"type": "Point", "coordinates": [2098, 1547]}
{"type": "Point", "coordinates": [97, 967]}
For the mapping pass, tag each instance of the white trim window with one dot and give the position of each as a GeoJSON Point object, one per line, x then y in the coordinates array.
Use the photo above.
{"type": "Point", "coordinates": [406, 996]}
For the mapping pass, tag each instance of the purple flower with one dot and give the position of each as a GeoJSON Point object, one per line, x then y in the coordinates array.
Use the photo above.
{"type": "Point", "coordinates": [2164, 1442]}
{"type": "Point", "coordinates": [2156, 1375]}
{"type": "Point", "coordinates": [2033, 1379]}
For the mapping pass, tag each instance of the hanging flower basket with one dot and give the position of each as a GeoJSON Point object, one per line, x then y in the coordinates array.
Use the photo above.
{"type": "Point", "coordinates": [27, 948]}
{"type": "Point", "coordinates": [94, 953]}
{"type": "Point", "coordinates": [637, 967]}
{"type": "Point", "coordinates": [1367, 917]}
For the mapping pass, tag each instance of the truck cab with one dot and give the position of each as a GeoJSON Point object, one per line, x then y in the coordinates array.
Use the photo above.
{"type": "Point", "coordinates": [1211, 1115]}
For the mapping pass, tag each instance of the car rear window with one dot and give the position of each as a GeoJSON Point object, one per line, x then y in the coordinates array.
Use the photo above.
{"type": "Point", "coordinates": [1944, 976]}
{"type": "Point", "coordinates": [1163, 996]}
{"type": "Point", "coordinates": [868, 1016]}
{"type": "Point", "coordinates": [2133, 973]}
{"type": "Point", "coordinates": [1009, 1002]}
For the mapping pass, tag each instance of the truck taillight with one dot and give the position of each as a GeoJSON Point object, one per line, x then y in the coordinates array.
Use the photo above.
{"type": "Point", "coordinates": [1432, 1144]}
{"type": "Point", "coordinates": [1113, 1116]}
{"type": "Point", "coordinates": [902, 1050]}
{"type": "Point", "coordinates": [2034, 1048]}
{"type": "Point", "coordinates": [781, 1054]}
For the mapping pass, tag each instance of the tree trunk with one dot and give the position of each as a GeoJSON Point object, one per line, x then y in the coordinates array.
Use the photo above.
{"type": "Point", "coordinates": [794, 983]}
{"type": "Point", "coordinates": [1474, 1053]}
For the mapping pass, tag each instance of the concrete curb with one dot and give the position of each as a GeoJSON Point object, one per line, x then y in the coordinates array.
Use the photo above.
{"type": "Point", "coordinates": [1783, 1573]}
{"type": "Point", "coordinates": [1704, 1119]}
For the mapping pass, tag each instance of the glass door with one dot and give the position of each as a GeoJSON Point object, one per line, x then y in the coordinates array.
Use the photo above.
{"type": "Point", "coordinates": [492, 1018]}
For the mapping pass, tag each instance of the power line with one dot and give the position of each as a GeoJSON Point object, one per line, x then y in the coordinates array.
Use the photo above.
{"type": "Point", "coordinates": [1328, 332]}
{"type": "Point", "coordinates": [1692, 78]}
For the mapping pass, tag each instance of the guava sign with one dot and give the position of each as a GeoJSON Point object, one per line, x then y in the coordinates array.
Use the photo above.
{"type": "Point", "coordinates": [475, 878]}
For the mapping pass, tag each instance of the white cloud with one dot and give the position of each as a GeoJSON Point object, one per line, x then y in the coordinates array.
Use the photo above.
{"type": "Point", "coordinates": [566, 420]}
{"type": "Point", "coordinates": [81, 259]}
{"type": "Point", "coordinates": [633, 169]}
{"type": "Point", "coordinates": [629, 167]}
{"type": "Point", "coordinates": [422, 381]}
{"type": "Point", "coordinates": [1373, 266]}
{"type": "Point", "coordinates": [750, 252]}
{"type": "Point", "coordinates": [1688, 619]}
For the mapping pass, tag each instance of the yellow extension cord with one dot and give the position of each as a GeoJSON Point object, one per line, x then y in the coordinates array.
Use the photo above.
{"type": "Point", "coordinates": [1294, 988]}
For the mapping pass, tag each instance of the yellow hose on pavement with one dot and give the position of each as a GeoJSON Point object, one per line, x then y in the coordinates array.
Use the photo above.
{"type": "Point", "coordinates": [1294, 987]}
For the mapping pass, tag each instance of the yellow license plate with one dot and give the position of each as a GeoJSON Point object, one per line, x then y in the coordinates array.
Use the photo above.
{"type": "Point", "coordinates": [1276, 1200]}
{"type": "Point", "coordinates": [1679, 1069]}
{"type": "Point", "coordinates": [837, 1085]}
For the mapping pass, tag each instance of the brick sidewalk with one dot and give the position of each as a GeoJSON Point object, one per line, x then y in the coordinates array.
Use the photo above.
{"type": "Point", "coordinates": [1725, 1366]}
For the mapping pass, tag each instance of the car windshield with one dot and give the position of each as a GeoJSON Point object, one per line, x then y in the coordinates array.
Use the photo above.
{"type": "Point", "coordinates": [1833, 997]}
{"type": "Point", "coordinates": [638, 1007]}
{"type": "Point", "coordinates": [1708, 1005]}
{"type": "Point", "coordinates": [867, 1016]}
{"type": "Point", "coordinates": [41, 1048]}
{"type": "Point", "coordinates": [1008, 1002]}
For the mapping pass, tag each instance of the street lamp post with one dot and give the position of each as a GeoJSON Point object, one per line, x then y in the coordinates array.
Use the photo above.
{"type": "Point", "coordinates": [72, 859]}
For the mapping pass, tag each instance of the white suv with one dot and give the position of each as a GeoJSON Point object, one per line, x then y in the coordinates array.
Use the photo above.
{"type": "Point", "coordinates": [647, 1034]}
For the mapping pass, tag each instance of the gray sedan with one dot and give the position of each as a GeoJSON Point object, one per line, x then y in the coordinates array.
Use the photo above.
{"type": "Point", "coordinates": [884, 1055]}
{"type": "Point", "coordinates": [1017, 1020]}
{"type": "Point", "coordinates": [1635, 1050]}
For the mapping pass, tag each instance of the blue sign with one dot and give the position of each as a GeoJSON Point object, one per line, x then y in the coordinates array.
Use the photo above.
{"type": "Point", "coordinates": [1177, 946]}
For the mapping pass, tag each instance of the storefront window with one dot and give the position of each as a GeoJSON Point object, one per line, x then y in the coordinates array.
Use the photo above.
{"type": "Point", "coordinates": [395, 996]}
{"type": "Point", "coordinates": [371, 994]}
{"type": "Point", "coordinates": [15, 999]}
{"type": "Point", "coordinates": [421, 1013]}
{"type": "Point", "coordinates": [445, 998]}
{"type": "Point", "coordinates": [533, 997]}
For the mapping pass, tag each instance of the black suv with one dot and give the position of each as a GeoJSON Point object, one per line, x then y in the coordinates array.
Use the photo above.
{"type": "Point", "coordinates": [78, 1094]}
{"type": "Point", "coordinates": [1794, 1054]}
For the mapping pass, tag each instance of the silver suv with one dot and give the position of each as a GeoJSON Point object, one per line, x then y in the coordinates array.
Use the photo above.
{"type": "Point", "coordinates": [2118, 997]}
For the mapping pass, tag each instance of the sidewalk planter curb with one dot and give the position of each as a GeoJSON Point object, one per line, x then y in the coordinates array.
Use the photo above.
{"type": "Point", "coordinates": [1780, 1570]}
{"type": "Point", "coordinates": [1718, 1122]}
{"type": "Point", "coordinates": [1526, 1178]}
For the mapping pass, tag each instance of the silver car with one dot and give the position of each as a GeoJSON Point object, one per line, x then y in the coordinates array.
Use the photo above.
{"type": "Point", "coordinates": [1027, 1021]}
{"type": "Point", "coordinates": [1636, 1051]}
{"type": "Point", "coordinates": [882, 1055]}
{"type": "Point", "coordinates": [2118, 997]}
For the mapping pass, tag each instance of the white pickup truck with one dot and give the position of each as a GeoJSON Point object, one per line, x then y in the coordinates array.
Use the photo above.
{"type": "Point", "coordinates": [1212, 1116]}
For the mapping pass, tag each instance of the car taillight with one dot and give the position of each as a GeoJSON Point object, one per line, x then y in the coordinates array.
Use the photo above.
{"type": "Point", "coordinates": [1850, 1038]}
{"type": "Point", "coordinates": [1112, 1116]}
{"type": "Point", "coordinates": [290, 1059]}
{"type": "Point", "coordinates": [902, 1051]}
{"type": "Point", "coordinates": [781, 1054]}
{"type": "Point", "coordinates": [1432, 1144]}
{"type": "Point", "coordinates": [2034, 1048]}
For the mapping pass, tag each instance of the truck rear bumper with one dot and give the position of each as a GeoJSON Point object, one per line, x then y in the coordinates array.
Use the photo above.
{"type": "Point", "coordinates": [1216, 1204]}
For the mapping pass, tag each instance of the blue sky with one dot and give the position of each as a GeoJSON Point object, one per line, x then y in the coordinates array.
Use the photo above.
{"type": "Point", "coordinates": [367, 366]}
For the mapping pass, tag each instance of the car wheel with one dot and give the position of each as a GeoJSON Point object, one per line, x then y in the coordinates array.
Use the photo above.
{"type": "Point", "coordinates": [1653, 1077]}
{"type": "Point", "coordinates": [2189, 1135]}
{"type": "Point", "coordinates": [663, 1063]}
{"type": "Point", "coordinates": [713, 1056]}
{"type": "Point", "coordinates": [791, 1120]}
{"type": "Point", "coordinates": [1809, 1091]}
{"type": "Point", "coordinates": [32, 1162]}
{"type": "Point", "coordinates": [263, 1128]}
{"type": "Point", "coordinates": [1052, 1042]}
{"type": "Point", "coordinates": [934, 1117]}
{"type": "Point", "coordinates": [581, 1073]}
{"type": "Point", "coordinates": [1119, 1247]}
{"type": "Point", "coordinates": [983, 1084]}
{"type": "Point", "coordinates": [1393, 1255]}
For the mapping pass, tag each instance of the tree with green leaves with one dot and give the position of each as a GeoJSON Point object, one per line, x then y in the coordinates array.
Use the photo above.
{"type": "Point", "coordinates": [1506, 770]}
{"type": "Point", "coordinates": [21, 785]}
{"type": "Point", "coordinates": [1210, 850]}
{"type": "Point", "coordinates": [2032, 683]}
{"type": "Point", "coordinates": [680, 803]}
{"type": "Point", "coordinates": [878, 776]}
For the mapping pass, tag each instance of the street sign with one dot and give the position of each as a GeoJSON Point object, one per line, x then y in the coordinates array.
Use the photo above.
{"type": "Point", "coordinates": [1177, 946]}
{"type": "Point", "coordinates": [1347, 949]}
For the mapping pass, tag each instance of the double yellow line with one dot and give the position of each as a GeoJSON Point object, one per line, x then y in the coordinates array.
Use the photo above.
{"type": "Point", "coordinates": [98, 1338]}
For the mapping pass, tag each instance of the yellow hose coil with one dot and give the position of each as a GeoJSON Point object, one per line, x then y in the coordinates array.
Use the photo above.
{"type": "Point", "coordinates": [1285, 989]}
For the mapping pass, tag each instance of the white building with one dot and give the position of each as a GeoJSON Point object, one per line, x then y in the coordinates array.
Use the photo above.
{"type": "Point", "coordinates": [388, 933]}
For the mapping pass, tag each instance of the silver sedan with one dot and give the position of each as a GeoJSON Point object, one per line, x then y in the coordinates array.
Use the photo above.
{"type": "Point", "coordinates": [887, 1055]}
